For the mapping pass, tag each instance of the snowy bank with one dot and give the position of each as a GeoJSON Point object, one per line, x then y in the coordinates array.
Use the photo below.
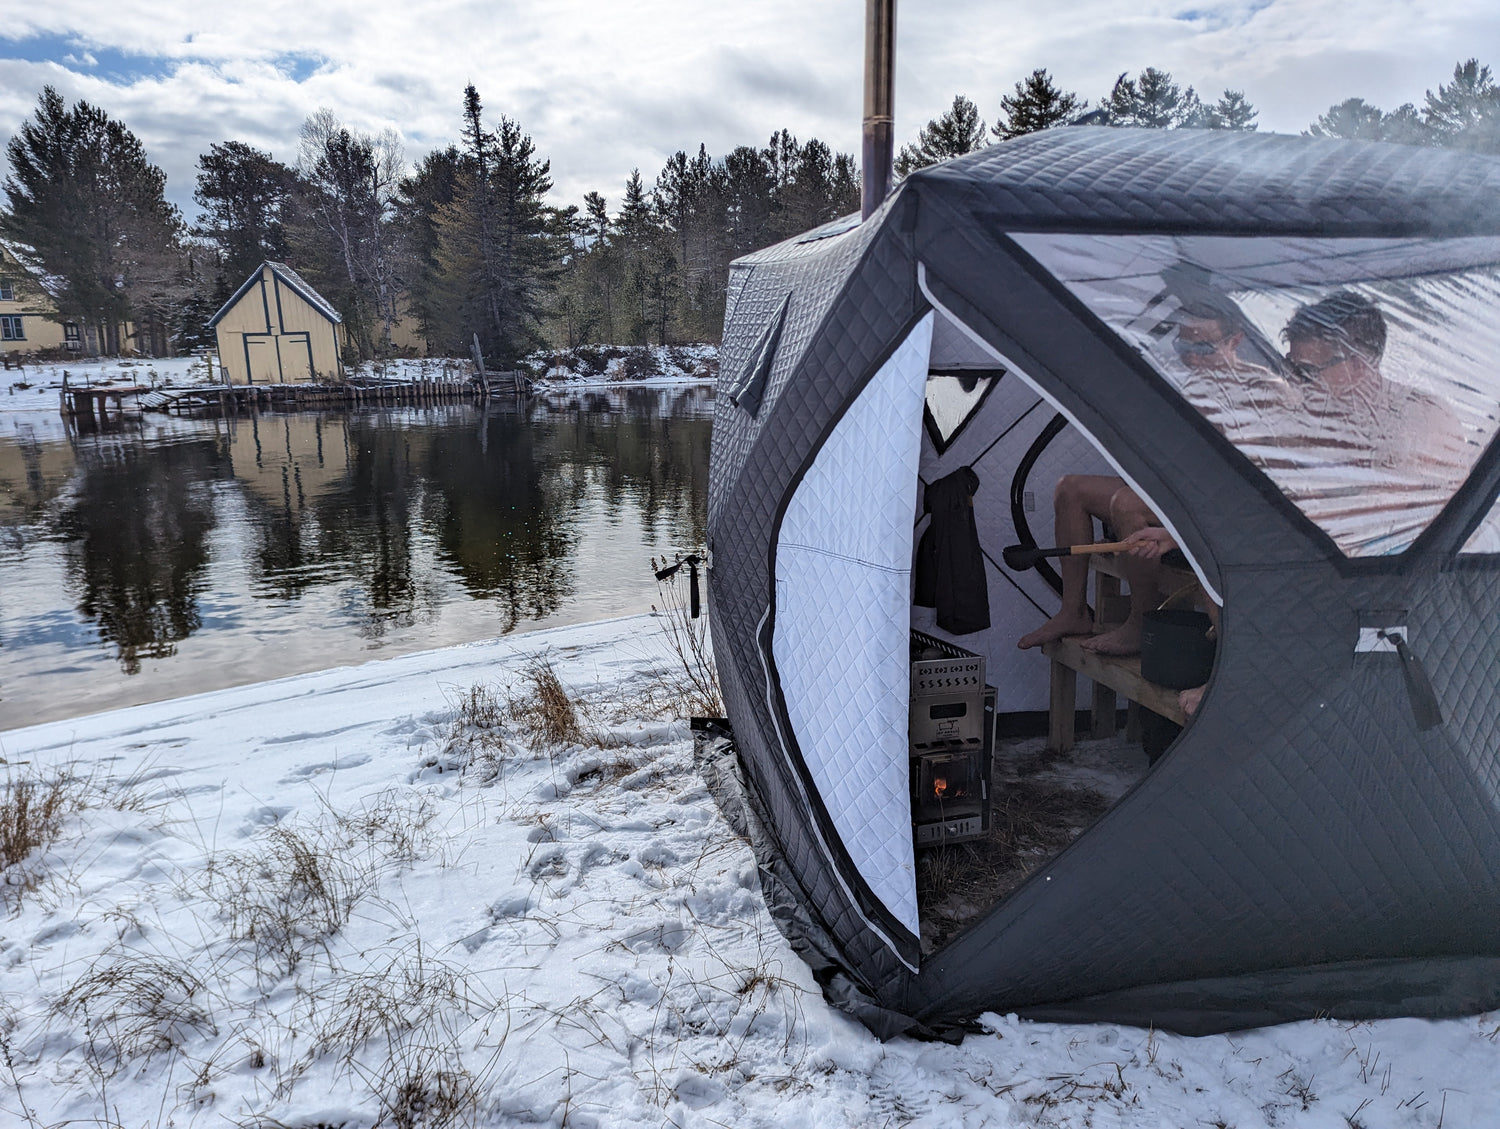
{"type": "Point", "coordinates": [379, 895]}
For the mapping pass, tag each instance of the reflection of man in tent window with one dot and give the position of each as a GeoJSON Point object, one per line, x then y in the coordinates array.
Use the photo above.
{"type": "Point", "coordinates": [1209, 337]}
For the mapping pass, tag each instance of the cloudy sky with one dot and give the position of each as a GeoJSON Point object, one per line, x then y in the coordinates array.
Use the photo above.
{"type": "Point", "coordinates": [604, 86]}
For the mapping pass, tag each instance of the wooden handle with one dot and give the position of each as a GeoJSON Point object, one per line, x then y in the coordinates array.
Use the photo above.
{"type": "Point", "coordinates": [1100, 547]}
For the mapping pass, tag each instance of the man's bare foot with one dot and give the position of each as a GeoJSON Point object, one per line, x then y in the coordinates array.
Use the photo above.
{"type": "Point", "coordinates": [1123, 640]}
{"type": "Point", "coordinates": [1189, 699]}
{"type": "Point", "coordinates": [1060, 625]}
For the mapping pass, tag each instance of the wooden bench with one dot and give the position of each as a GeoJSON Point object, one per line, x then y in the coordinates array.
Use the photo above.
{"type": "Point", "coordinates": [1113, 675]}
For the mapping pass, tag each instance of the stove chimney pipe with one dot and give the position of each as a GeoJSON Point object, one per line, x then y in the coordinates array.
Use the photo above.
{"type": "Point", "coordinates": [880, 99]}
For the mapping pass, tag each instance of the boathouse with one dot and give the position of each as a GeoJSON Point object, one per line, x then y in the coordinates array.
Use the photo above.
{"type": "Point", "coordinates": [276, 329]}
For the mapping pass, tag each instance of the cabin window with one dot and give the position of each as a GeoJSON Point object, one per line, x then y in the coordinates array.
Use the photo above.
{"type": "Point", "coordinates": [1359, 375]}
{"type": "Point", "coordinates": [11, 328]}
{"type": "Point", "coordinates": [70, 335]}
{"type": "Point", "coordinates": [7, 290]}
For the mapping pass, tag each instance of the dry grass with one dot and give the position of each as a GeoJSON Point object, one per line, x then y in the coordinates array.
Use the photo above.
{"type": "Point", "coordinates": [479, 709]}
{"type": "Point", "coordinates": [134, 1006]}
{"type": "Point", "coordinates": [546, 713]}
{"type": "Point", "coordinates": [288, 895]}
{"type": "Point", "coordinates": [414, 1008]}
{"type": "Point", "coordinates": [32, 809]}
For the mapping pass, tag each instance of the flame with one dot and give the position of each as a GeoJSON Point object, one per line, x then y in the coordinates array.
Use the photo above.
{"type": "Point", "coordinates": [940, 786]}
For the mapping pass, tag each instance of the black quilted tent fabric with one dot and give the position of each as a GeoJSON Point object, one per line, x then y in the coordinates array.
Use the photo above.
{"type": "Point", "coordinates": [1303, 849]}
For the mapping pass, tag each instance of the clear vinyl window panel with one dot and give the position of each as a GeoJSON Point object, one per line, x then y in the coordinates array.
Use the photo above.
{"type": "Point", "coordinates": [1361, 376]}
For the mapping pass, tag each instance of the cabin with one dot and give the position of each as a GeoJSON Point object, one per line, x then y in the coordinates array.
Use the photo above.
{"type": "Point", "coordinates": [276, 329]}
{"type": "Point", "coordinates": [29, 322]}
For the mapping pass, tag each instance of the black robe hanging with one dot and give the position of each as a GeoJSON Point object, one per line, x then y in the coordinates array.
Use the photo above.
{"type": "Point", "coordinates": [950, 565]}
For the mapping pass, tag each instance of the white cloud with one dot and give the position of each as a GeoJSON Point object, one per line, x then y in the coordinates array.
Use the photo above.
{"type": "Point", "coordinates": [607, 87]}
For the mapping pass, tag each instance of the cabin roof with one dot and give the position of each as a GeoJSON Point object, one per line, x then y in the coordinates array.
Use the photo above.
{"type": "Point", "coordinates": [293, 281]}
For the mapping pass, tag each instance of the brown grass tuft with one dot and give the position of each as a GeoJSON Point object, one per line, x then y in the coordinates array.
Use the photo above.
{"type": "Point", "coordinates": [33, 806]}
{"type": "Point", "coordinates": [547, 714]}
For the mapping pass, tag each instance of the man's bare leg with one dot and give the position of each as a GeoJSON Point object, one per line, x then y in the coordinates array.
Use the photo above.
{"type": "Point", "coordinates": [1077, 501]}
{"type": "Point", "coordinates": [1127, 515]}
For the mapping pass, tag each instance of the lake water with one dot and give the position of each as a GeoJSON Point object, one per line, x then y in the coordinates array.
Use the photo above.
{"type": "Point", "coordinates": [173, 556]}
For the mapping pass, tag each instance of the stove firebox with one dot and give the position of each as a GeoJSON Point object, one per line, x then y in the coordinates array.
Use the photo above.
{"type": "Point", "coordinates": [952, 733]}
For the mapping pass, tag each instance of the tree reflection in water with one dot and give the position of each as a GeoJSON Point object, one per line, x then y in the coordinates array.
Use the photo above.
{"type": "Point", "coordinates": [314, 536]}
{"type": "Point", "coordinates": [137, 524]}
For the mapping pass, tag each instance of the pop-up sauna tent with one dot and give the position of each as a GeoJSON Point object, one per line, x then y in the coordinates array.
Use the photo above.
{"type": "Point", "coordinates": [1312, 844]}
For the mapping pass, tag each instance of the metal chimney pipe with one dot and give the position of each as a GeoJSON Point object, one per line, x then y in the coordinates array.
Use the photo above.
{"type": "Point", "coordinates": [880, 103]}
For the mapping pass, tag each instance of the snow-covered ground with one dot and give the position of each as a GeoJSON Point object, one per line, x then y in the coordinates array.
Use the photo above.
{"type": "Point", "coordinates": [656, 365]}
{"type": "Point", "coordinates": [330, 901]}
{"type": "Point", "coordinates": [35, 387]}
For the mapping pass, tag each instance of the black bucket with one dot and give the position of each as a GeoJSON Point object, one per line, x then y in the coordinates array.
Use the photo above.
{"type": "Point", "coordinates": [1176, 651]}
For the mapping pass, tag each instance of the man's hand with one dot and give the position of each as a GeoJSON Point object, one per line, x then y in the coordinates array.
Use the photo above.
{"type": "Point", "coordinates": [1149, 543]}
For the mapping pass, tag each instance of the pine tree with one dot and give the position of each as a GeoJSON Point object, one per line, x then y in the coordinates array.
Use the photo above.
{"type": "Point", "coordinates": [498, 246]}
{"type": "Point", "coordinates": [89, 210]}
{"type": "Point", "coordinates": [1232, 111]}
{"type": "Point", "coordinates": [245, 195]}
{"type": "Point", "coordinates": [1355, 119]}
{"type": "Point", "coordinates": [1152, 100]}
{"type": "Point", "coordinates": [958, 131]}
{"type": "Point", "coordinates": [1037, 104]}
{"type": "Point", "coordinates": [433, 185]}
{"type": "Point", "coordinates": [1466, 112]}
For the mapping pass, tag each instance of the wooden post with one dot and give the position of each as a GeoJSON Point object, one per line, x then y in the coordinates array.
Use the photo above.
{"type": "Point", "coordinates": [1064, 696]}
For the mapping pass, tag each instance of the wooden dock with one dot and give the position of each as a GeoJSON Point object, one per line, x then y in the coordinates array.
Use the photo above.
{"type": "Point", "coordinates": [98, 403]}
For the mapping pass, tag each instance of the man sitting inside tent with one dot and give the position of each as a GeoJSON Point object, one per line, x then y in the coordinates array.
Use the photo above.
{"type": "Point", "coordinates": [1370, 460]}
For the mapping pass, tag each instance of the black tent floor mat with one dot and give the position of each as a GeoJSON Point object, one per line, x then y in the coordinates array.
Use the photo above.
{"type": "Point", "coordinates": [1040, 801]}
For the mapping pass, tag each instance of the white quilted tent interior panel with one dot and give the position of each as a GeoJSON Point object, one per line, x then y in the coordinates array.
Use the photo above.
{"type": "Point", "coordinates": [843, 596]}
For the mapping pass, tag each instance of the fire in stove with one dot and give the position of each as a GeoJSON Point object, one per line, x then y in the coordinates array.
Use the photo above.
{"type": "Point", "coordinates": [946, 778]}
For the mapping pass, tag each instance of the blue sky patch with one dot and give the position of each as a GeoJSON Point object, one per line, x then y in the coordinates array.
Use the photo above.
{"type": "Point", "coordinates": [299, 66]}
{"type": "Point", "coordinates": [1218, 17]}
{"type": "Point", "coordinates": [108, 63]}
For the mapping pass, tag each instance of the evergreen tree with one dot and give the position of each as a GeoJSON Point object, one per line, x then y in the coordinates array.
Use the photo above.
{"type": "Point", "coordinates": [89, 210]}
{"type": "Point", "coordinates": [958, 131]}
{"type": "Point", "coordinates": [1355, 119]}
{"type": "Point", "coordinates": [1152, 100]}
{"type": "Point", "coordinates": [419, 197]}
{"type": "Point", "coordinates": [245, 195]}
{"type": "Point", "coordinates": [1466, 112]}
{"type": "Point", "coordinates": [1232, 111]}
{"type": "Point", "coordinates": [657, 272]}
{"type": "Point", "coordinates": [498, 246]}
{"type": "Point", "coordinates": [1037, 104]}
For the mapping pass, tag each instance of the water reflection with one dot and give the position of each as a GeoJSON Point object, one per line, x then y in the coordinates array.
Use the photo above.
{"type": "Point", "coordinates": [199, 553]}
{"type": "Point", "coordinates": [136, 525]}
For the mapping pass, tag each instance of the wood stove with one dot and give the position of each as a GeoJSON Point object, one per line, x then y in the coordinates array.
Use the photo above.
{"type": "Point", "coordinates": [952, 734]}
